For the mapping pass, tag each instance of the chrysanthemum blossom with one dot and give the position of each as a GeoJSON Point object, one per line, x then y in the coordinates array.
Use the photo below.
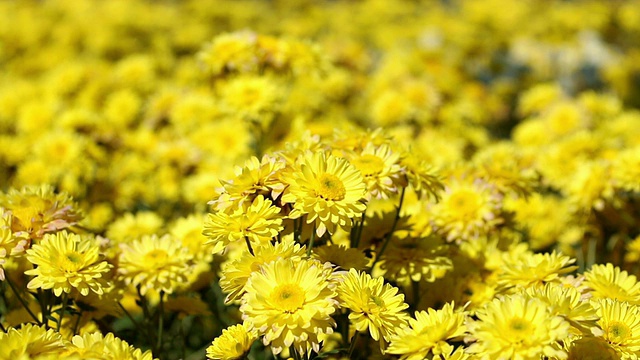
{"type": "Point", "coordinates": [155, 263]}
{"type": "Point", "coordinates": [428, 333]}
{"type": "Point", "coordinates": [30, 341]}
{"type": "Point", "coordinates": [374, 305]}
{"type": "Point", "coordinates": [608, 281]}
{"type": "Point", "coordinates": [290, 304]}
{"type": "Point", "coordinates": [108, 347]}
{"type": "Point", "coordinates": [258, 221]}
{"type": "Point", "coordinates": [381, 170]}
{"type": "Point", "coordinates": [533, 270]}
{"type": "Point", "coordinates": [517, 327]}
{"type": "Point", "coordinates": [234, 343]}
{"type": "Point", "coordinates": [64, 261]}
{"type": "Point", "coordinates": [10, 244]}
{"type": "Point", "coordinates": [327, 189]}
{"type": "Point", "coordinates": [620, 323]}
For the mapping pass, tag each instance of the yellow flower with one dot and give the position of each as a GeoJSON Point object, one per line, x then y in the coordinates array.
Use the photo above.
{"type": "Point", "coordinates": [64, 261]}
{"type": "Point", "coordinates": [9, 243]}
{"type": "Point", "coordinates": [30, 341]}
{"type": "Point", "coordinates": [234, 343]}
{"type": "Point", "coordinates": [517, 327]}
{"type": "Point", "coordinates": [423, 179]}
{"type": "Point", "coordinates": [105, 347]}
{"type": "Point", "coordinates": [374, 305]}
{"type": "Point", "coordinates": [417, 259]}
{"type": "Point", "coordinates": [258, 221]}
{"type": "Point", "coordinates": [591, 347]}
{"type": "Point", "coordinates": [236, 273]}
{"type": "Point", "coordinates": [568, 302]}
{"type": "Point", "coordinates": [154, 263]}
{"type": "Point", "coordinates": [468, 209]}
{"type": "Point", "coordinates": [428, 333]}
{"type": "Point", "coordinates": [328, 190]}
{"type": "Point", "coordinates": [379, 166]}
{"type": "Point", "coordinates": [341, 256]}
{"type": "Point", "coordinates": [533, 270]}
{"type": "Point", "coordinates": [620, 322]}
{"type": "Point", "coordinates": [231, 52]}
{"type": "Point", "coordinates": [290, 303]}
{"type": "Point", "coordinates": [607, 281]}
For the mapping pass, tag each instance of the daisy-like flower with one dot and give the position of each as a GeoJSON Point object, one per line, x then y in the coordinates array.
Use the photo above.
{"type": "Point", "coordinates": [620, 322]}
{"type": "Point", "coordinates": [567, 301]}
{"type": "Point", "coordinates": [10, 245]}
{"type": "Point", "coordinates": [105, 347]}
{"type": "Point", "coordinates": [236, 273]}
{"type": "Point", "coordinates": [423, 179]}
{"type": "Point", "coordinates": [328, 190]}
{"type": "Point", "coordinates": [374, 305]}
{"type": "Point", "coordinates": [609, 282]}
{"type": "Point", "coordinates": [39, 210]}
{"type": "Point", "coordinates": [258, 221]}
{"type": "Point", "coordinates": [30, 341]}
{"type": "Point", "coordinates": [468, 208]}
{"type": "Point", "coordinates": [65, 261]}
{"type": "Point", "coordinates": [341, 256]}
{"type": "Point", "coordinates": [417, 259]}
{"type": "Point", "coordinates": [254, 178]}
{"type": "Point", "coordinates": [517, 327]}
{"type": "Point", "coordinates": [533, 270]}
{"type": "Point", "coordinates": [234, 343]}
{"type": "Point", "coordinates": [154, 263]}
{"type": "Point", "coordinates": [428, 333]}
{"type": "Point", "coordinates": [290, 303]}
{"type": "Point", "coordinates": [381, 170]}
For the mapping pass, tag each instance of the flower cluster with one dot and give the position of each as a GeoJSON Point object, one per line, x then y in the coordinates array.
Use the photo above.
{"type": "Point", "coordinates": [320, 179]}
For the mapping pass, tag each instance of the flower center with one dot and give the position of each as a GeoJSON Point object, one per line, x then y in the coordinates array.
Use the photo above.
{"type": "Point", "coordinates": [465, 204]}
{"type": "Point", "coordinates": [330, 187]}
{"type": "Point", "coordinates": [618, 332]}
{"type": "Point", "coordinates": [155, 258]}
{"type": "Point", "coordinates": [520, 329]}
{"type": "Point", "coordinates": [369, 165]}
{"type": "Point", "coordinates": [288, 297]}
{"type": "Point", "coordinates": [71, 262]}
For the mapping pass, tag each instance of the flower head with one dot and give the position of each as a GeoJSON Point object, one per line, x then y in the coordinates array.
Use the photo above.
{"type": "Point", "coordinates": [606, 281]}
{"type": "Point", "coordinates": [374, 305]}
{"type": "Point", "coordinates": [30, 341]}
{"type": "Point", "coordinates": [327, 189]}
{"type": "Point", "coordinates": [154, 263]}
{"type": "Point", "coordinates": [620, 322]}
{"type": "Point", "coordinates": [234, 343]}
{"type": "Point", "coordinates": [290, 304]}
{"type": "Point", "coordinates": [105, 347]}
{"type": "Point", "coordinates": [65, 261]}
{"type": "Point", "coordinates": [379, 166]}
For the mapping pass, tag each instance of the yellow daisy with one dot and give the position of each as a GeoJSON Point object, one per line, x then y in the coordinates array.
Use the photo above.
{"type": "Point", "coordinates": [533, 270]}
{"type": "Point", "coordinates": [568, 302]}
{"type": "Point", "coordinates": [374, 305]}
{"type": "Point", "coordinates": [290, 303]}
{"type": "Point", "coordinates": [234, 343]}
{"type": "Point", "coordinates": [64, 261]}
{"type": "Point", "coordinates": [381, 170]}
{"type": "Point", "coordinates": [10, 244]}
{"type": "Point", "coordinates": [30, 341]}
{"type": "Point", "coordinates": [620, 323]}
{"type": "Point", "coordinates": [517, 327]}
{"type": "Point", "coordinates": [326, 189]}
{"type": "Point", "coordinates": [258, 221]}
{"type": "Point", "coordinates": [105, 347]}
{"type": "Point", "coordinates": [606, 281]}
{"type": "Point", "coordinates": [341, 256]}
{"type": "Point", "coordinates": [154, 263]}
{"type": "Point", "coordinates": [428, 333]}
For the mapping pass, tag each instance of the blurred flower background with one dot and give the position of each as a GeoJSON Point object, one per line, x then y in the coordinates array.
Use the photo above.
{"type": "Point", "coordinates": [401, 179]}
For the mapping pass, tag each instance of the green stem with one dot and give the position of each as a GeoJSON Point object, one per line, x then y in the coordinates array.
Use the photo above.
{"type": "Point", "coordinates": [415, 287]}
{"type": "Point", "coordinates": [44, 309]}
{"type": "Point", "coordinates": [387, 238]}
{"type": "Point", "coordinates": [24, 303]}
{"type": "Point", "coordinates": [77, 324]}
{"type": "Point", "coordinates": [246, 239]}
{"type": "Point", "coordinates": [354, 340]}
{"type": "Point", "coordinates": [147, 315]}
{"type": "Point", "coordinates": [161, 319]}
{"type": "Point", "coordinates": [65, 299]}
{"type": "Point", "coordinates": [359, 230]}
{"type": "Point", "coordinates": [135, 323]}
{"type": "Point", "coordinates": [311, 241]}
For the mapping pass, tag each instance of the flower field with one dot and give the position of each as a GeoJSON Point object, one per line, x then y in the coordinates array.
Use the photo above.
{"type": "Point", "coordinates": [364, 179]}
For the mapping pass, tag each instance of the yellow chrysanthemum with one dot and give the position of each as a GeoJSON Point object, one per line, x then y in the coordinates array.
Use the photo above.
{"type": "Point", "coordinates": [30, 341]}
{"type": "Point", "coordinates": [258, 221]}
{"type": "Point", "coordinates": [234, 343]}
{"type": "Point", "coordinates": [533, 270]}
{"type": "Point", "coordinates": [374, 305]}
{"type": "Point", "coordinates": [423, 179]}
{"type": "Point", "coordinates": [189, 231]}
{"type": "Point", "coordinates": [428, 333]}
{"type": "Point", "coordinates": [591, 347]}
{"type": "Point", "coordinates": [290, 303]}
{"type": "Point", "coordinates": [381, 170]}
{"type": "Point", "coordinates": [417, 259]}
{"type": "Point", "coordinates": [568, 302]}
{"type": "Point", "coordinates": [328, 190]}
{"type": "Point", "coordinates": [105, 347]}
{"type": "Point", "coordinates": [606, 281]}
{"type": "Point", "coordinates": [155, 263]}
{"type": "Point", "coordinates": [467, 210]}
{"type": "Point", "coordinates": [236, 273]}
{"type": "Point", "coordinates": [341, 256]}
{"type": "Point", "coordinates": [620, 323]}
{"type": "Point", "coordinates": [517, 327]}
{"type": "Point", "coordinates": [64, 261]}
{"type": "Point", "coordinates": [10, 245]}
